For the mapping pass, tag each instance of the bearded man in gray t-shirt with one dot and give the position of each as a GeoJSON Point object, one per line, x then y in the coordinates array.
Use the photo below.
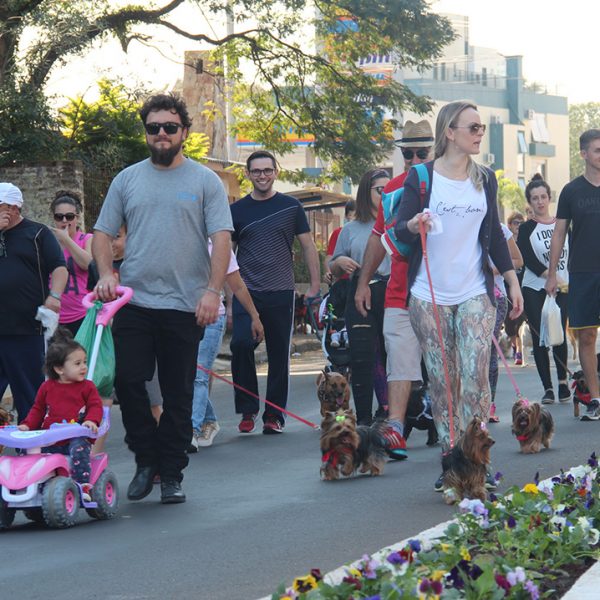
{"type": "Point", "coordinates": [170, 206]}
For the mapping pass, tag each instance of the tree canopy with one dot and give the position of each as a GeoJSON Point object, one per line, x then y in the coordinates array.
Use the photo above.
{"type": "Point", "coordinates": [581, 118]}
{"type": "Point", "coordinates": [286, 78]}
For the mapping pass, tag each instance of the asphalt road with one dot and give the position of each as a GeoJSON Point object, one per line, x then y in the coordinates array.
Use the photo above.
{"type": "Point", "coordinates": [257, 513]}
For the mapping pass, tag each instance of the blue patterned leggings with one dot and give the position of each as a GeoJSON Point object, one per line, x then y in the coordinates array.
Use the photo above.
{"type": "Point", "coordinates": [467, 334]}
{"type": "Point", "coordinates": [79, 450]}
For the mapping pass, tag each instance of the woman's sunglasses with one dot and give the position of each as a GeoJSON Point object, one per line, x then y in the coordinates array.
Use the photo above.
{"type": "Point", "coordinates": [473, 128]}
{"type": "Point", "coordinates": [409, 154]}
{"type": "Point", "coordinates": [61, 217]}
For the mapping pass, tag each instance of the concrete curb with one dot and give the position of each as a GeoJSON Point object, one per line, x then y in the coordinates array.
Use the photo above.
{"type": "Point", "coordinates": [584, 588]}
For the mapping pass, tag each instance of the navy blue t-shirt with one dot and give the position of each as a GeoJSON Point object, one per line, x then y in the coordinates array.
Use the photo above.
{"type": "Point", "coordinates": [32, 253]}
{"type": "Point", "coordinates": [264, 231]}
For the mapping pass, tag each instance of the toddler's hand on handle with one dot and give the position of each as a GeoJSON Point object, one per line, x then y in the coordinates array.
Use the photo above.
{"type": "Point", "coordinates": [91, 426]}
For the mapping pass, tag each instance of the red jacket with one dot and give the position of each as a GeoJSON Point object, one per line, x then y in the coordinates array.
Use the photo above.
{"type": "Point", "coordinates": [56, 402]}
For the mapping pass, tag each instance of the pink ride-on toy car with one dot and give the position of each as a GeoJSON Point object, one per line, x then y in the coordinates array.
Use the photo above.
{"type": "Point", "coordinates": [41, 484]}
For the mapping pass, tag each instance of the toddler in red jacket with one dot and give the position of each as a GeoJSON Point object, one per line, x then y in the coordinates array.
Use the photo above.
{"type": "Point", "coordinates": [67, 396]}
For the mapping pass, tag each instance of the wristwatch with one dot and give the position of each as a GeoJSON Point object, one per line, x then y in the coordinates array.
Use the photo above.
{"type": "Point", "coordinates": [55, 295]}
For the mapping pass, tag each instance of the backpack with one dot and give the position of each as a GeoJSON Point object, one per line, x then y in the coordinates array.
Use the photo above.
{"type": "Point", "coordinates": [391, 203]}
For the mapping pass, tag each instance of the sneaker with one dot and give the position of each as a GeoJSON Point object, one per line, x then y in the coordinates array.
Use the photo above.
{"type": "Point", "coordinates": [86, 492]}
{"type": "Point", "coordinates": [248, 423]}
{"type": "Point", "coordinates": [207, 434]}
{"type": "Point", "coordinates": [438, 486]}
{"type": "Point", "coordinates": [564, 393]}
{"type": "Point", "coordinates": [490, 482]}
{"type": "Point", "coordinates": [193, 446]}
{"type": "Point", "coordinates": [494, 418]}
{"type": "Point", "coordinates": [272, 425]}
{"type": "Point", "coordinates": [518, 359]}
{"type": "Point", "coordinates": [548, 397]}
{"type": "Point", "coordinates": [395, 444]}
{"type": "Point", "coordinates": [593, 411]}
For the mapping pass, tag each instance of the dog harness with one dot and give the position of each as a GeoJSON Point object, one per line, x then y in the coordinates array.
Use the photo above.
{"type": "Point", "coordinates": [581, 397]}
{"type": "Point", "coordinates": [522, 438]}
{"type": "Point", "coordinates": [333, 457]}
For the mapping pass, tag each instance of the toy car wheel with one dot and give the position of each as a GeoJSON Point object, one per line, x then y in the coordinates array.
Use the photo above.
{"type": "Point", "coordinates": [34, 514]}
{"type": "Point", "coordinates": [105, 494]}
{"type": "Point", "coordinates": [60, 502]}
{"type": "Point", "coordinates": [7, 515]}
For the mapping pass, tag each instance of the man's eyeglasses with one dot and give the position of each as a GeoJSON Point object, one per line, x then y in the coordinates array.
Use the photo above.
{"type": "Point", "coordinates": [409, 154]}
{"type": "Point", "coordinates": [473, 128]}
{"type": "Point", "coordinates": [168, 128]}
{"type": "Point", "coordinates": [259, 172]}
{"type": "Point", "coordinates": [378, 189]}
{"type": "Point", "coordinates": [61, 217]}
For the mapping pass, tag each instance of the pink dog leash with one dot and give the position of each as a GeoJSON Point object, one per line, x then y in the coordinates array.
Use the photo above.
{"type": "Point", "coordinates": [508, 371]}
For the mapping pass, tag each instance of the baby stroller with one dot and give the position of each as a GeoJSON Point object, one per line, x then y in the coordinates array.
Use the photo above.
{"type": "Point", "coordinates": [41, 484]}
{"type": "Point", "coordinates": [333, 337]}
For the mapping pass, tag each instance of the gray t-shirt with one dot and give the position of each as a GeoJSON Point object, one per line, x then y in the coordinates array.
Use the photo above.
{"type": "Point", "coordinates": [169, 214]}
{"type": "Point", "coordinates": [353, 243]}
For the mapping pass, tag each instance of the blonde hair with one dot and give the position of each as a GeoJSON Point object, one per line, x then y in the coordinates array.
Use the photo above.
{"type": "Point", "coordinates": [446, 119]}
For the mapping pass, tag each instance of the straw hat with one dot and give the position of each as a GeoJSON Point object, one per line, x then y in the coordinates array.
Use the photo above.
{"type": "Point", "coordinates": [416, 135]}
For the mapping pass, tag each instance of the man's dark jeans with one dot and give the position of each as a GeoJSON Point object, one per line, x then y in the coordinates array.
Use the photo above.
{"type": "Point", "coordinates": [146, 338]}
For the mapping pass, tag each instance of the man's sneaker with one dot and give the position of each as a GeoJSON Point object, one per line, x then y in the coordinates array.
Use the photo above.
{"type": "Point", "coordinates": [438, 486]}
{"type": "Point", "coordinates": [272, 425]}
{"type": "Point", "coordinates": [490, 482]}
{"type": "Point", "coordinates": [518, 359]}
{"type": "Point", "coordinates": [395, 444]}
{"type": "Point", "coordinates": [564, 393]}
{"type": "Point", "coordinates": [493, 418]}
{"type": "Point", "coordinates": [248, 423]}
{"type": "Point", "coordinates": [548, 397]}
{"type": "Point", "coordinates": [593, 411]}
{"type": "Point", "coordinates": [207, 434]}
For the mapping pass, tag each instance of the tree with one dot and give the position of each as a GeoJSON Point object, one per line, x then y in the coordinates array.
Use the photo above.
{"type": "Point", "coordinates": [581, 118]}
{"type": "Point", "coordinates": [293, 85]}
{"type": "Point", "coordinates": [510, 195]}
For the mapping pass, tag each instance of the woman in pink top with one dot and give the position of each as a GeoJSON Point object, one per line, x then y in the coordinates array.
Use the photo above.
{"type": "Point", "coordinates": [66, 210]}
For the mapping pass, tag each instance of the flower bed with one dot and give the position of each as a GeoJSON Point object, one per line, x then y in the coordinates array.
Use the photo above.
{"type": "Point", "coordinates": [530, 543]}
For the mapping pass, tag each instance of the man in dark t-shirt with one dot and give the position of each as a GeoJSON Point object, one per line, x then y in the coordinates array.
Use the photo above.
{"type": "Point", "coordinates": [29, 255]}
{"type": "Point", "coordinates": [579, 206]}
{"type": "Point", "coordinates": [265, 224]}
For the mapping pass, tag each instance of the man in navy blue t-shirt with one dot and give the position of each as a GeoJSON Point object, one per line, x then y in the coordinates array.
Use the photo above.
{"type": "Point", "coordinates": [265, 223]}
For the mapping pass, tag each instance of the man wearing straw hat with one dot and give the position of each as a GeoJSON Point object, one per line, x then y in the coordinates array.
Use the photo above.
{"type": "Point", "coordinates": [29, 255]}
{"type": "Point", "coordinates": [402, 347]}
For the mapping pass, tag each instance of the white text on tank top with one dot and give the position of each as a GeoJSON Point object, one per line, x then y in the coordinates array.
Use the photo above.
{"type": "Point", "coordinates": [455, 254]}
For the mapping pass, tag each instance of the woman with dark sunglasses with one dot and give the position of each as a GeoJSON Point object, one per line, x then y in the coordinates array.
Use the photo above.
{"type": "Point", "coordinates": [460, 213]}
{"type": "Point", "coordinates": [76, 245]}
{"type": "Point", "coordinates": [367, 350]}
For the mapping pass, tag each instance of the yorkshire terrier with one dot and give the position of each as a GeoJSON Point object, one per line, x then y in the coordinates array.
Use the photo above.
{"type": "Point", "coordinates": [333, 392]}
{"type": "Point", "coordinates": [418, 415]}
{"type": "Point", "coordinates": [533, 426]}
{"type": "Point", "coordinates": [464, 467]}
{"type": "Point", "coordinates": [581, 392]}
{"type": "Point", "coordinates": [347, 448]}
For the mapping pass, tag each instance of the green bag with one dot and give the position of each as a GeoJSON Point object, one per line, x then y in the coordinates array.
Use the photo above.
{"type": "Point", "coordinates": [104, 374]}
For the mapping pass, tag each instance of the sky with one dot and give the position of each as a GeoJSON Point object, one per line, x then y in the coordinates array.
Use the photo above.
{"type": "Point", "coordinates": [558, 45]}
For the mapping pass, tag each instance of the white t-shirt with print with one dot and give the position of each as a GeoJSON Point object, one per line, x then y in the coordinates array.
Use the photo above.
{"type": "Point", "coordinates": [455, 254]}
{"type": "Point", "coordinates": [233, 266]}
{"type": "Point", "coordinates": [498, 279]}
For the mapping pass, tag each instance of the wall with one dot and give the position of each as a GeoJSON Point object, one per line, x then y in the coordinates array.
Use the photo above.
{"type": "Point", "coordinates": [39, 182]}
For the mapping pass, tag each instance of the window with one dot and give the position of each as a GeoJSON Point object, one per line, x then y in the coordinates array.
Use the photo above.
{"type": "Point", "coordinates": [539, 131]}
{"type": "Point", "coordinates": [520, 163]}
{"type": "Point", "coordinates": [521, 181]}
{"type": "Point", "coordinates": [523, 149]}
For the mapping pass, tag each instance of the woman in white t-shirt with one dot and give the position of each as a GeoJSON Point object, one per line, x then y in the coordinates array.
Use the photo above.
{"type": "Point", "coordinates": [462, 198]}
{"type": "Point", "coordinates": [534, 242]}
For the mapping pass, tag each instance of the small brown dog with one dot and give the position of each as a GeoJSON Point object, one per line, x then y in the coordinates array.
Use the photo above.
{"type": "Point", "coordinates": [465, 465]}
{"type": "Point", "coordinates": [347, 448]}
{"type": "Point", "coordinates": [533, 426]}
{"type": "Point", "coordinates": [333, 392]}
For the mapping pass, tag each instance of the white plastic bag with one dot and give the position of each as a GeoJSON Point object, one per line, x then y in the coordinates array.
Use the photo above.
{"type": "Point", "coordinates": [551, 331]}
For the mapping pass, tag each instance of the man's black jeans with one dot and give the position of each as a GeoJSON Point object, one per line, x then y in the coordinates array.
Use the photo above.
{"type": "Point", "coordinates": [146, 338]}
